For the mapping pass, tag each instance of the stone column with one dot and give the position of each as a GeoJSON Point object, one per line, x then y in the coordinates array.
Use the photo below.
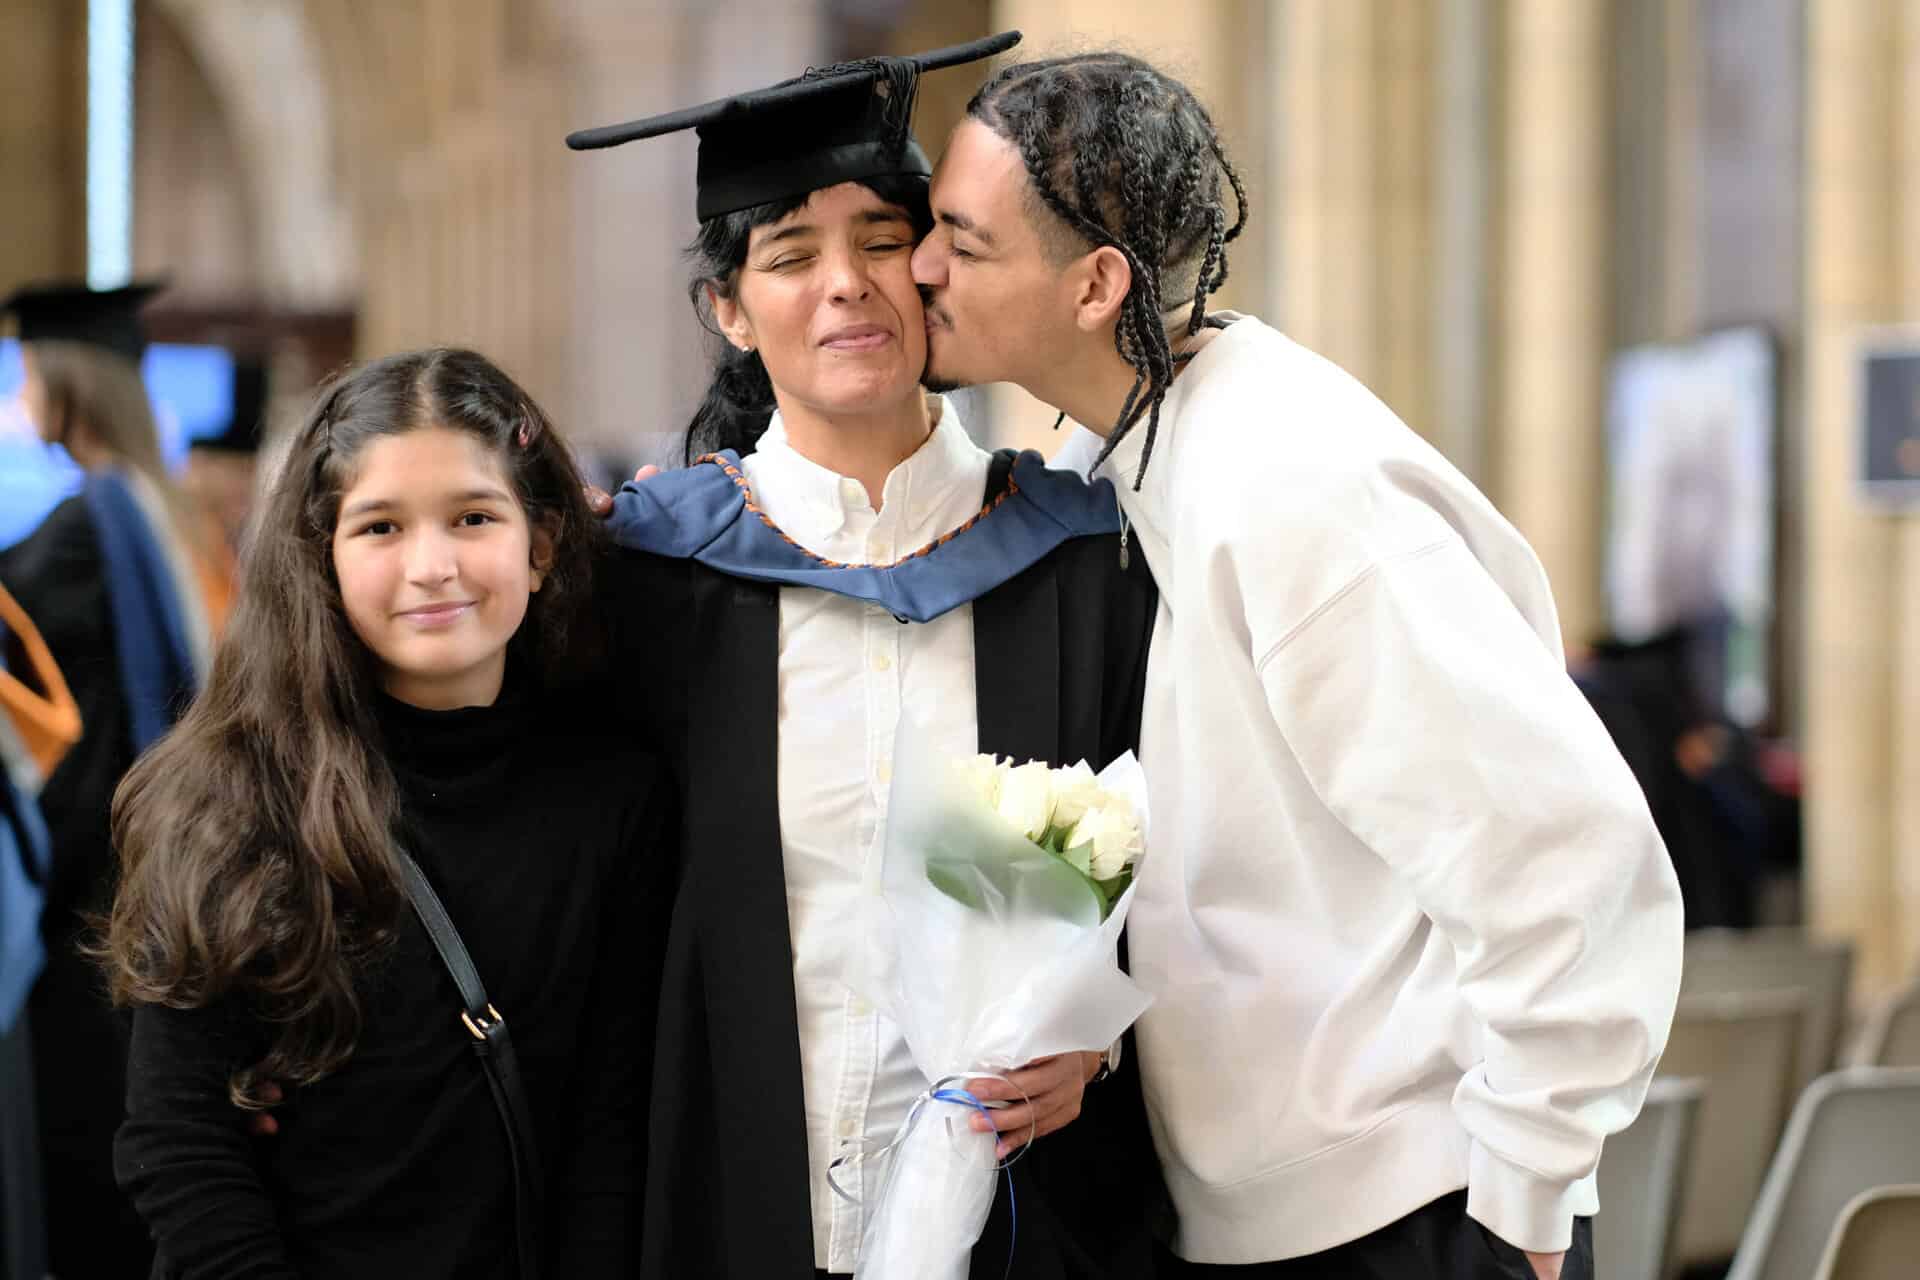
{"type": "Point", "coordinates": [1904, 946]}
{"type": "Point", "coordinates": [43, 151]}
{"type": "Point", "coordinates": [1324, 230]}
{"type": "Point", "coordinates": [1355, 226]}
{"type": "Point", "coordinates": [1405, 42]}
{"type": "Point", "coordinates": [1852, 642]}
{"type": "Point", "coordinates": [1550, 304]}
{"type": "Point", "coordinates": [1462, 207]}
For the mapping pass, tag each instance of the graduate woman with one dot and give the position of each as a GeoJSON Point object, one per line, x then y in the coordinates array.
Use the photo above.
{"type": "Point", "coordinates": [783, 685]}
{"type": "Point", "coordinates": [388, 772]}
{"type": "Point", "coordinates": [113, 577]}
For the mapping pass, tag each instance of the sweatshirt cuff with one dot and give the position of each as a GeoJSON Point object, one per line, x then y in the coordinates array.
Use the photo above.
{"type": "Point", "coordinates": [1522, 1208]}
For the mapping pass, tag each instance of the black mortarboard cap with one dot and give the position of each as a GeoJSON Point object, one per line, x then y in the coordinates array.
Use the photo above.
{"type": "Point", "coordinates": [108, 318]}
{"type": "Point", "coordinates": [836, 124]}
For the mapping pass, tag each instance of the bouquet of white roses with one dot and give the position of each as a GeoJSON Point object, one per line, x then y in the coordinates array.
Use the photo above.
{"type": "Point", "coordinates": [994, 940]}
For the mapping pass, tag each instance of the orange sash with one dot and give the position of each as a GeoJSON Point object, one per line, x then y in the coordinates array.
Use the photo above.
{"type": "Point", "coordinates": [48, 721]}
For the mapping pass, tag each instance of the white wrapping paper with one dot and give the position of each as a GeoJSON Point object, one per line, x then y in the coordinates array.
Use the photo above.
{"type": "Point", "coordinates": [1023, 969]}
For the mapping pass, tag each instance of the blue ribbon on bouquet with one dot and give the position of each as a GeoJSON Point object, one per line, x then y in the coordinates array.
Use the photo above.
{"type": "Point", "coordinates": [951, 1090]}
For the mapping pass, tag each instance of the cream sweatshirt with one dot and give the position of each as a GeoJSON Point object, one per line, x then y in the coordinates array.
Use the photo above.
{"type": "Point", "coordinates": [1407, 920]}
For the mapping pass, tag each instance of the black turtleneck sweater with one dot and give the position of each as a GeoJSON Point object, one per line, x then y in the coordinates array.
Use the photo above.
{"type": "Point", "coordinates": [544, 837]}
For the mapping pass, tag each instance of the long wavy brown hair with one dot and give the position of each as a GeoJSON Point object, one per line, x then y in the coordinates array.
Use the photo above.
{"type": "Point", "coordinates": [256, 839]}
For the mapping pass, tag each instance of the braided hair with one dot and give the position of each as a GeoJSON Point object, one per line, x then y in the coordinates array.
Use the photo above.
{"type": "Point", "coordinates": [1122, 155]}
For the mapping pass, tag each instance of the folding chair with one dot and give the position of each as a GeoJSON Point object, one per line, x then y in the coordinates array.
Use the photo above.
{"type": "Point", "coordinates": [1729, 961]}
{"type": "Point", "coordinates": [1893, 1035]}
{"type": "Point", "coordinates": [1640, 1182]}
{"type": "Point", "coordinates": [1851, 1131]}
{"type": "Point", "coordinates": [1743, 1047]}
{"type": "Point", "coordinates": [1877, 1237]}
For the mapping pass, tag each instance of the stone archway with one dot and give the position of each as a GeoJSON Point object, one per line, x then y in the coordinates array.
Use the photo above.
{"type": "Point", "coordinates": [265, 67]}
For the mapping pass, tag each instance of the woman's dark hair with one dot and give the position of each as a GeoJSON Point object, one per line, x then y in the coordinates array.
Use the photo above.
{"type": "Point", "coordinates": [257, 839]}
{"type": "Point", "coordinates": [739, 401]}
{"type": "Point", "coordinates": [1120, 154]}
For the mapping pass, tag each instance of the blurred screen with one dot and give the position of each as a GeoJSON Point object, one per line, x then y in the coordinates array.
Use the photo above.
{"type": "Point", "coordinates": [191, 389]}
{"type": "Point", "coordinates": [192, 393]}
{"type": "Point", "coordinates": [1690, 532]}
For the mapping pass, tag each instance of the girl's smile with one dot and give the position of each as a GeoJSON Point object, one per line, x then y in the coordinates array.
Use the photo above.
{"type": "Point", "coordinates": [435, 560]}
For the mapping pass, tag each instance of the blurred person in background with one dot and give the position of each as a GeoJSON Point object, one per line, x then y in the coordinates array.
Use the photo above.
{"type": "Point", "coordinates": [117, 581]}
{"type": "Point", "coordinates": [39, 723]}
{"type": "Point", "coordinates": [33, 478]}
{"type": "Point", "coordinates": [1729, 820]}
{"type": "Point", "coordinates": [222, 474]}
{"type": "Point", "coordinates": [782, 694]}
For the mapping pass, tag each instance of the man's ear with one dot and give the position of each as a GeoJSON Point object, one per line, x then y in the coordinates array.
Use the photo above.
{"type": "Point", "coordinates": [732, 319]}
{"type": "Point", "coordinates": [540, 552]}
{"type": "Point", "coordinates": [1104, 277]}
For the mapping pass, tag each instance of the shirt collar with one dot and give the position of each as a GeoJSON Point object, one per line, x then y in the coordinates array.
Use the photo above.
{"type": "Point", "coordinates": [814, 503]}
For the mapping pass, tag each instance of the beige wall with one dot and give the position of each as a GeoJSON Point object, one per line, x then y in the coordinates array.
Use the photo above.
{"type": "Point", "coordinates": [1551, 331]}
{"type": "Point", "coordinates": [43, 232]}
{"type": "Point", "coordinates": [1862, 697]}
{"type": "Point", "coordinates": [193, 219]}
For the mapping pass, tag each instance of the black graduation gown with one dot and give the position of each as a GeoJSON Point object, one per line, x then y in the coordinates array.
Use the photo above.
{"type": "Point", "coordinates": [1060, 654]}
{"type": "Point", "coordinates": [59, 577]}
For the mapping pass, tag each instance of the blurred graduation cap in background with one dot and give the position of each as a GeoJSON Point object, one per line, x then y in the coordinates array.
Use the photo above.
{"type": "Point", "coordinates": [837, 124]}
{"type": "Point", "coordinates": [66, 312]}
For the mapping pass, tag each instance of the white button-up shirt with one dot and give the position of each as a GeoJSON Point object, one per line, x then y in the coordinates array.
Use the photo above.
{"type": "Point", "coordinates": [848, 670]}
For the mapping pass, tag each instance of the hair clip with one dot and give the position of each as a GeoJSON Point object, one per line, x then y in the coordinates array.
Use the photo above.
{"type": "Point", "coordinates": [524, 436]}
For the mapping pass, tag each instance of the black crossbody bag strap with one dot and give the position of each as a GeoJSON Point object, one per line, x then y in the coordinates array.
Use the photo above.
{"type": "Point", "coordinates": [495, 1050]}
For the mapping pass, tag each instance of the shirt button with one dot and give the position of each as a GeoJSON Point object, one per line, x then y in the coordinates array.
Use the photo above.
{"type": "Point", "coordinates": [877, 552]}
{"type": "Point", "coordinates": [858, 1007]}
{"type": "Point", "coordinates": [851, 493]}
{"type": "Point", "coordinates": [881, 662]}
{"type": "Point", "coordinates": [884, 772]}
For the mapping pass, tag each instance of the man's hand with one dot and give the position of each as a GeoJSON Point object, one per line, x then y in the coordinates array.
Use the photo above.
{"type": "Point", "coordinates": [602, 502]}
{"type": "Point", "coordinates": [1545, 1265]}
{"type": "Point", "coordinates": [1053, 1087]}
{"type": "Point", "coordinates": [261, 1124]}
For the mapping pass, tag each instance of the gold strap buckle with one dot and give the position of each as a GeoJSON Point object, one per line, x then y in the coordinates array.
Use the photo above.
{"type": "Point", "coordinates": [480, 1029]}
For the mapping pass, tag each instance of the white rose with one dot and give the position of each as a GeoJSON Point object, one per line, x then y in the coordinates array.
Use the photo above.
{"type": "Point", "coordinates": [1026, 799]}
{"type": "Point", "coordinates": [979, 777]}
{"type": "Point", "coordinates": [1113, 835]}
{"type": "Point", "coordinates": [1075, 791]}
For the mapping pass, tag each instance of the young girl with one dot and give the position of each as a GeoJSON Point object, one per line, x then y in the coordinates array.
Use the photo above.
{"type": "Point", "coordinates": [398, 675]}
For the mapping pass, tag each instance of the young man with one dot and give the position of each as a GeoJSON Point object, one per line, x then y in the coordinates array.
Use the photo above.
{"type": "Point", "coordinates": [1414, 938]}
